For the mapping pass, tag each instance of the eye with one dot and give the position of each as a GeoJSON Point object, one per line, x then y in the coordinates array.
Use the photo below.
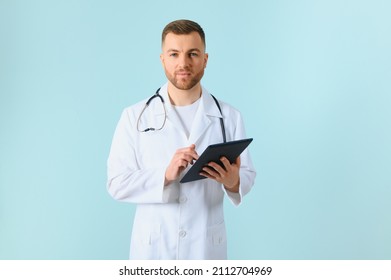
{"type": "Point", "coordinates": [193, 54]}
{"type": "Point", "coordinates": [173, 54]}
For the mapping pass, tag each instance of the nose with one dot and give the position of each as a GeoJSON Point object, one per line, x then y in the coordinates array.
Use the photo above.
{"type": "Point", "coordinates": [184, 61]}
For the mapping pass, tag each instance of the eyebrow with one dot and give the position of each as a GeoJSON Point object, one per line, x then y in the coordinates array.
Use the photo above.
{"type": "Point", "coordinates": [191, 50]}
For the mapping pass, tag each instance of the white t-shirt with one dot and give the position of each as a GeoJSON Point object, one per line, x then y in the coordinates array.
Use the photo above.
{"type": "Point", "coordinates": [186, 114]}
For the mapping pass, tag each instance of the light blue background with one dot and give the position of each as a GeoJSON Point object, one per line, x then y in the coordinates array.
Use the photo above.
{"type": "Point", "coordinates": [312, 79]}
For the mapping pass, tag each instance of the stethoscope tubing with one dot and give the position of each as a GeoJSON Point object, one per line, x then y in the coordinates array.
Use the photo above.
{"type": "Point", "coordinates": [157, 95]}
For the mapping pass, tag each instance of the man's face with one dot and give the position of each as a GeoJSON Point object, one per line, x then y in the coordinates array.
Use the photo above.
{"type": "Point", "coordinates": [184, 59]}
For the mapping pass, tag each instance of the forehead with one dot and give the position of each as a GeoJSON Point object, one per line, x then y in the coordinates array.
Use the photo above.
{"type": "Point", "coordinates": [183, 42]}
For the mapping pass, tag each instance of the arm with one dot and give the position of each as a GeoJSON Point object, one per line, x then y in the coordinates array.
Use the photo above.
{"type": "Point", "coordinates": [126, 180]}
{"type": "Point", "coordinates": [236, 178]}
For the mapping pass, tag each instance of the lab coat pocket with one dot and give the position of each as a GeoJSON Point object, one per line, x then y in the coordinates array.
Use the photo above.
{"type": "Point", "coordinates": [217, 234]}
{"type": "Point", "coordinates": [216, 245]}
{"type": "Point", "coordinates": [146, 242]}
{"type": "Point", "coordinates": [151, 234]}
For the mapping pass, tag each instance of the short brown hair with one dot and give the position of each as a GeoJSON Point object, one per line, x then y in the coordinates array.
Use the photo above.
{"type": "Point", "coordinates": [183, 27]}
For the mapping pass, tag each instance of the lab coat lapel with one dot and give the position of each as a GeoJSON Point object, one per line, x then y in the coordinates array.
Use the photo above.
{"type": "Point", "coordinates": [207, 110]}
{"type": "Point", "coordinates": [172, 117]}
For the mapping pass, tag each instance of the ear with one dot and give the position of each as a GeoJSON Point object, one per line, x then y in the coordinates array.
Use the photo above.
{"type": "Point", "coordinates": [206, 56]}
{"type": "Point", "coordinates": [162, 58]}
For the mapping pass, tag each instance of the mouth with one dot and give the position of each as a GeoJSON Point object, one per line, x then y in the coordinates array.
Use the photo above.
{"type": "Point", "coordinates": [183, 74]}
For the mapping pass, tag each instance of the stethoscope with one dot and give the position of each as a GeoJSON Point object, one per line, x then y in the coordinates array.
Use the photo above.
{"type": "Point", "coordinates": [157, 95]}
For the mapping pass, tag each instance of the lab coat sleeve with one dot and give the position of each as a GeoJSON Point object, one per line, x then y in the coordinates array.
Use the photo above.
{"type": "Point", "coordinates": [126, 181]}
{"type": "Point", "coordinates": [247, 172]}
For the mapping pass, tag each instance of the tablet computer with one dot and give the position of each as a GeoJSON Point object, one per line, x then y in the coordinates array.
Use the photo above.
{"type": "Point", "coordinates": [231, 150]}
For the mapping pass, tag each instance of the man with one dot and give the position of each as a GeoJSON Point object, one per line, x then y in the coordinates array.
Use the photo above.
{"type": "Point", "coordinates": [153, 147]}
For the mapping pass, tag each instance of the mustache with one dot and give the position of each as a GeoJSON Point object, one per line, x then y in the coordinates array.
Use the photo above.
{"type": "Point", "coordinates": [183, 71]}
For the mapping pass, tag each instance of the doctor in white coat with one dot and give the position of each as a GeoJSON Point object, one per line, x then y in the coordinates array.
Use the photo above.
{"type": "Point", "coordinates": [174, 220]}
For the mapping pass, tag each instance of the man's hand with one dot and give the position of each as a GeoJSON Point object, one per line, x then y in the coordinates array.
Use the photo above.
{"type": "Point", "coordinates": [227, 175]}
{"type": "Point", "coordinates": [181, 159]}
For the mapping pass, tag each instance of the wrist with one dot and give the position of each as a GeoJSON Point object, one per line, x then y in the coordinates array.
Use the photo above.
{"type": "Point", "coordinates": [167, 181]}
{"type": "Point", "coordinates": [234, 187]}
{"type": "Point", "coordinates": [168, 178]}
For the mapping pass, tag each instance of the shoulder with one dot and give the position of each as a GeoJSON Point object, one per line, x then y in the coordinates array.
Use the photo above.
{"type": "Point", "coordinates": [228, 110]}
{"type": "Point", "coordinates": [134, 107]}
{"type": "Point", "coordinates": [154, 103]}
{"type": "Point", "coordinates": [132, 111]}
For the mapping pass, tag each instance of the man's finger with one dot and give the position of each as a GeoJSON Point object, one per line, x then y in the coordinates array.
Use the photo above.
{"type": "Point", "coordinates": [226, 163]}
{"type": "Point", "coordinates": [217, 167]}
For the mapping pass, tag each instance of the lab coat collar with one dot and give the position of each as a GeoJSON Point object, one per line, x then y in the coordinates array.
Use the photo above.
{"type": "Point", "coordinates": [209, 106]}
{"type": "Point", "coordinates": [207, 110]}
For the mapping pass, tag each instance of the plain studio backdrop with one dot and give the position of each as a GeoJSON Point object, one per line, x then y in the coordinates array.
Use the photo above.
{"type": "Point", "coordinates": [311, 78]}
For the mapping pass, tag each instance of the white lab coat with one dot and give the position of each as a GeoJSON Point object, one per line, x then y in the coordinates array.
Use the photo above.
{"type": "Point", "coordinates": [180, 221]}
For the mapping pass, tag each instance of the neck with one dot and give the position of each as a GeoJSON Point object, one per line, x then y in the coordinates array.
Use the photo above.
{"type": "Point", "coordinates": [179, 97]}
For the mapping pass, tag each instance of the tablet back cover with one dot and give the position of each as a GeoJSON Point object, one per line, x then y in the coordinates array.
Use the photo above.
{"type": "Point", "coordinates": [231, 150]}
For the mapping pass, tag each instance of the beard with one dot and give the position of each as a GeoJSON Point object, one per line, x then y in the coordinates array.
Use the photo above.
{"type": "Point", "coordinates": [185, 83]}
